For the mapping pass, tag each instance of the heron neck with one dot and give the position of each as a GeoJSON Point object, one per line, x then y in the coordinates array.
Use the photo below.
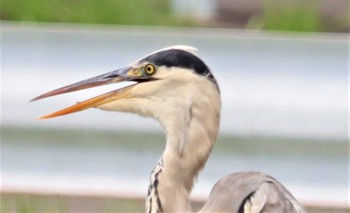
{"type": "Point", "coordinates": [189, 141]}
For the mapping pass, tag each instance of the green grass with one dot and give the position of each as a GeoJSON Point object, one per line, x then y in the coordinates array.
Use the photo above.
{"type": "Point", "coordinates": [297, 16]}
{"type": "Point", "coordinates": [35, 203]}
{"type": "Point", "coordinates": [130, 12]}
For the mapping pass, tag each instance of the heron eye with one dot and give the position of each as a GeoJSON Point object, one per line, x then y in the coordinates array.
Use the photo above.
{"type": "Point", "coordinates": [150, 69]}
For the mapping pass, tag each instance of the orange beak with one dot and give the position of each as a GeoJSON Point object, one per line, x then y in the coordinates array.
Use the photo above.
{"type": "Point", "coordinates": [108, 78]}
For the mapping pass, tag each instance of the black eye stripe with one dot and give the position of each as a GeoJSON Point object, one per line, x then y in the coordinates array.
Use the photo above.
{"type": "Point", "coordinates": [180, 58]}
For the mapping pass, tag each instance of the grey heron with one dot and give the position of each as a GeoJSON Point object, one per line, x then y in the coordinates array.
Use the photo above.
{"type": "Point", "coordinates": [175, 87]}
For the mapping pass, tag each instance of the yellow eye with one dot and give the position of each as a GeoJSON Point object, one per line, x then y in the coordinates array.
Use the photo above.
{"type": "Point", "coordinates": [150, 69]}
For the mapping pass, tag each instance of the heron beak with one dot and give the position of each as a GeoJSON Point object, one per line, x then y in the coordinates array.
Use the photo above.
{"type": "Point", "coordinates": [124, 74]}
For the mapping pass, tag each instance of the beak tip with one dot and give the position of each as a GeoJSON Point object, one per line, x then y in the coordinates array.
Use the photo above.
{"type": "Point", "coordinates": [52, 115]}
{"type": "Point", "coordinates": [42, 118]}
{"type": "Point", "coordinates": [40, 97]}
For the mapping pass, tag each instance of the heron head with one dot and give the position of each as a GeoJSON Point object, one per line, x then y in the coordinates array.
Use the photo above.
{"type": "Point", "coordinates": [166, 80]}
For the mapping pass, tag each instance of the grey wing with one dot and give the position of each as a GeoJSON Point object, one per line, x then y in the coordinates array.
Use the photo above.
{"type": "Point", "coordinates": [250, 192]}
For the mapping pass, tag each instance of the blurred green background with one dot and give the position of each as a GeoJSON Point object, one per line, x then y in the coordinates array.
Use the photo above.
{"type": "Point", "coordinates": [131, 12]}
{"type": "Point", "coordinates": [291, 15]}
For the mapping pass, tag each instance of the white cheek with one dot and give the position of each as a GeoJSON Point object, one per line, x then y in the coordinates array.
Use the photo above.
{"type": "Point", "coordinates": [140, 106]}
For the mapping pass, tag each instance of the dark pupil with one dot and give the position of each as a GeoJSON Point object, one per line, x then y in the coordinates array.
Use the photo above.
{"type": "Point", "coordinates": [149, 68]}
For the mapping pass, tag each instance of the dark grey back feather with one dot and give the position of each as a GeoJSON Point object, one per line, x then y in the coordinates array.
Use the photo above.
{"type": "Point", "coordinates": [239, 191]}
